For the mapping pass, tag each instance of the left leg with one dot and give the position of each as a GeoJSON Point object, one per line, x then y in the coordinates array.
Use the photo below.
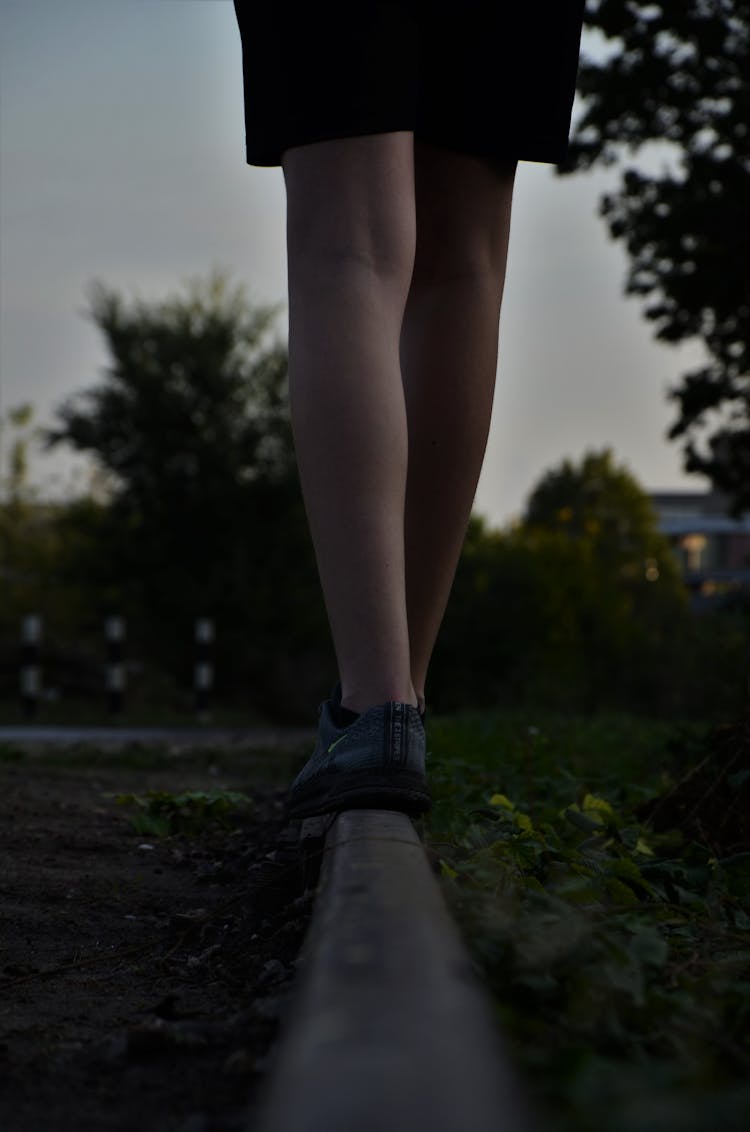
{"type": "Point", "coordinates": [351, 254]}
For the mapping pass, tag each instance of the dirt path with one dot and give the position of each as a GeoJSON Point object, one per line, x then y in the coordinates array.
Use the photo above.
{"type": "Point", "coordinates": [141, 977]}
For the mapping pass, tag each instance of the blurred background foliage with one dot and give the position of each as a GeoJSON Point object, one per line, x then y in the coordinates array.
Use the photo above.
{"type": "Point", "coordinates": [667, 105]}
{"type": "Point", "coordinates": [195, 510]}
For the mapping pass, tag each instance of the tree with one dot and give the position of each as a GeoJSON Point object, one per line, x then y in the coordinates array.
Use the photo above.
{"type": "Point", "coordinates": [32, 548]}
{"type": "Point", "coordinates": [190, 425]}
{"type": "Point", "coordinates": [193, 401]}
{"type": "Point", "coordinates": [679, 76]}
{"type": "Point", "coordinates": [605, 504]}
{"type": "Point", "coordinates": [580, 607]}
{"type": "Point", "coordinates": [24, 533]}
{"type": "Point", "coordinates": [14, 483]}
{"type": "Point", "coordinates": [618, 573]}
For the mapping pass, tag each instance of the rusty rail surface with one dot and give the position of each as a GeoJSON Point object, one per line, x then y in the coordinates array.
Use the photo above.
{"type": "Point", "coordinates": [389, 1030]}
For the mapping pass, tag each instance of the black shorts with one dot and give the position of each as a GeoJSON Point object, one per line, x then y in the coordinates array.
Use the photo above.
{"type": "Point", "coordinates": [490, 78]}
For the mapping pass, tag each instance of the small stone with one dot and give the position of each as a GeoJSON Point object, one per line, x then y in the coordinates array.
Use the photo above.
{"type": "Point", "coordinates": [196, 1122]}
{"type": "Point", "coordinates": [239, 1063]}
{"type": "Point", "coordinates": [273, 971]}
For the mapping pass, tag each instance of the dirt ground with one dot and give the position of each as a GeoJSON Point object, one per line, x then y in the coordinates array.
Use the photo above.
{"type": "Point", "coordinates": [710, 801]}
{"type": "Point", "coordinates": [142, 978]}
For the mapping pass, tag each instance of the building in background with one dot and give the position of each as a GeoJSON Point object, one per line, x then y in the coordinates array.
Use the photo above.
{"type": "Point", "coordinates": [713, 548]}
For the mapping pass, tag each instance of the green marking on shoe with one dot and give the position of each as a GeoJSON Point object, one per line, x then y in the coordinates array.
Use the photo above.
{"type": "Point", "coordinates": [335, 743]}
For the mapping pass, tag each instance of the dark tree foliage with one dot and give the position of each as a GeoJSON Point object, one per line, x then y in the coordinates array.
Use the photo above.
{"type": "Point", "coordinates": [193, 402]}
{"type": "Point", "coordinates": [679, 75]}
{"type": "Point", "coordinates": [204, 516]}
{"type": "Point", "coordinates": [600, 501]}
{"type": "Point", "coordinates": [581, 608]}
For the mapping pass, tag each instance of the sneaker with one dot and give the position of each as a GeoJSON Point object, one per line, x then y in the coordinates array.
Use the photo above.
{"type": "Point", "coordinates": [377, 761]}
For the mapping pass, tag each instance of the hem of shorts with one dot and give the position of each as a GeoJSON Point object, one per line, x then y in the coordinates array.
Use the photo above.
{"type": "Point", "coordinates": [267, 157]}
{"type": "Point", "coordinates": [544, 153]}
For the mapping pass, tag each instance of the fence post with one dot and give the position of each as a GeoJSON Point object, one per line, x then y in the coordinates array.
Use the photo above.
{"type": "Point", "coordinates": [204, 669]}
{"type": "Point", "coordinates": [114, 632]}
{"type": "Point", "coordinates": [31, 672]}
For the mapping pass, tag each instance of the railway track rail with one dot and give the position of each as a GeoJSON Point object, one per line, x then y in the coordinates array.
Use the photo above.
{"type": "Point", "coordinates": [390, 1030]}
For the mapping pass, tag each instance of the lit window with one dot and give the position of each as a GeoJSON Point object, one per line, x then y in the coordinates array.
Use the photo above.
{"type": "Point", "coordinates": [694, 545]}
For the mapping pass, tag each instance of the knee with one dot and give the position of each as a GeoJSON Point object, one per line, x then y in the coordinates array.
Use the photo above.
{"type": "Point", "coordinates": [376, 254]}
{"type": "Point", "coordinates": [463, 222]}
{"type": "Point", "coordinates": [351, 210]}
{"type": "Point", "coordinates": [440, 264]}
{"type": "Point", "coordinates": [366, 258]}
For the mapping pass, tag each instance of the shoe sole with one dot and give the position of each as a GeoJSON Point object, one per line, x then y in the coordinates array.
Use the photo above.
{"type": "Point", "coordinates": [359, 790]}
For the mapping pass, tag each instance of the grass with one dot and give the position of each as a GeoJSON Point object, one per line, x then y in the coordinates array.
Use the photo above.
{"type": "Point", "coordinates": [618, 956]}
{"type": "Point", "coordinates": [271, 766]}
{"type": "Point", "coordinates": [160, 813]}
{"type": "Point", "coordinates": [85, 713]}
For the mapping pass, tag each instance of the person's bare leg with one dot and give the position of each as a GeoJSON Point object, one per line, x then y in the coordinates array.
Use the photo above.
{"type": "Point", "coordinates": [449, 359]}
{"type": "Point", "coordinates": [351, 238]}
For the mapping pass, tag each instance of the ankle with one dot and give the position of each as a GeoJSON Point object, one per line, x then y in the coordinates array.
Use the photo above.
{"type": "Point", "coordinates": [343, 716]}
{"type": "Point", "coordinates": [365, 698]}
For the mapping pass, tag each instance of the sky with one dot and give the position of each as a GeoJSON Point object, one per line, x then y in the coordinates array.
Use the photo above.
{"type": "Point", "coordinates": [122, 159]}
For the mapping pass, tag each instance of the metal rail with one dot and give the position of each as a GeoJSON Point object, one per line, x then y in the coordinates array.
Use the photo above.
{"type": "Point", "coordinates": [390, 1030]}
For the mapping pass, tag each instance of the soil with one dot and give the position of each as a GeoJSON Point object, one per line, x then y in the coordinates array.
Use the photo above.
{"type": "Point", "coordinates": [710, 801]}
{"type": "Point", "coordinates": [142, 978]}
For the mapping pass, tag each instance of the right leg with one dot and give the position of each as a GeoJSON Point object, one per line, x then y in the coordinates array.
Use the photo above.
{"type": "Point", "coordinates": [449, 359]}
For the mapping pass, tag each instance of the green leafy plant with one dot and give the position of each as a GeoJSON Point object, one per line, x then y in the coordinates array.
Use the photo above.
{"type": "Point", "coordinates": [11, 753]}
{"type": "Point", "coordinates": [160, 813]}
{"type": "Point", "coordinates": [616, 949]}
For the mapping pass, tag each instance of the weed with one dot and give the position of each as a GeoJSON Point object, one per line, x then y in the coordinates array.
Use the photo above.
{"type": "Point", "coordinates": [161, 814]}
{"type": "Point", "coordinates": [10, 753]}
{"type": "Point", "coordinates": [617, 953]}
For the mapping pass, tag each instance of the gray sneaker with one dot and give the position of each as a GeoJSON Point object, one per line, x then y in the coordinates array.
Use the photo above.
{"type": "Point", "coordinates": [377, 761]}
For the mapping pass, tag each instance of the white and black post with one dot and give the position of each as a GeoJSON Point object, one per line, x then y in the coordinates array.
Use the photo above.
{"type": "Point", "coordinates": [204, 666]}
{"type": "Point", "coordinates": [31, 670]}
{"type": "Point", "coordinates": [114, 632]}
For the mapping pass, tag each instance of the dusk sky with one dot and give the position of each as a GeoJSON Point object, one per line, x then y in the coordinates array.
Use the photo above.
{"type": "Point", "coordinates": [122, 159]}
